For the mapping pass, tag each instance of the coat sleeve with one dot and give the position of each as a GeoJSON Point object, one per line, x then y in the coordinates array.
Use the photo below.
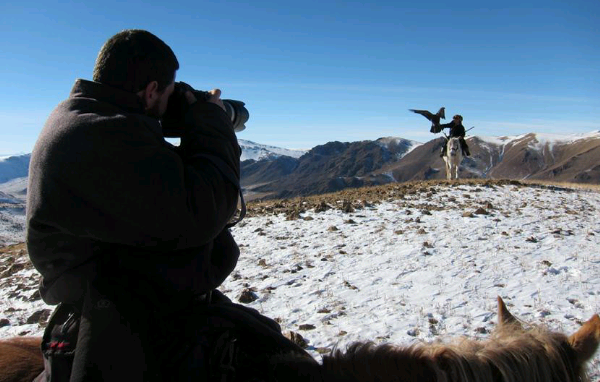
{"type": "Point", "coordinates": [117, 182]}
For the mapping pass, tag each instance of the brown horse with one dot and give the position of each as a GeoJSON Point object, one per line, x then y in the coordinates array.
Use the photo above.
{"type": "Point", "coordinates": [20, 359]}
{"type": "Point", "coordinates": [513, 353]}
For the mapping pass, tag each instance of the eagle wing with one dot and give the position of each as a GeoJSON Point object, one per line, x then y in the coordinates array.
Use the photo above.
{"type": "Point", "coordinates": [442, 113]}
{"type": "Point", "coordinates": [424, 113]}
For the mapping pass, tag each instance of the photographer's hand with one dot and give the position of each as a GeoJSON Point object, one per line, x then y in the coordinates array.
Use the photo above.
{"type": "Point", "coordinates": [215, 97]}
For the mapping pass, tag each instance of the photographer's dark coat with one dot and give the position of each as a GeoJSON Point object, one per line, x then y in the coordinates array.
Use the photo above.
{"type": "Point", "coordinates": [127, 229]}
{"type": "Point", "coordinates": [104, 186]}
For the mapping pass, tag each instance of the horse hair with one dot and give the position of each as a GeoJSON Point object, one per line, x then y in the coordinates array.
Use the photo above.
{"type": "Point", "coordinates": [21, 358]}
{"type": "Point", "coordinates": [510, 355]}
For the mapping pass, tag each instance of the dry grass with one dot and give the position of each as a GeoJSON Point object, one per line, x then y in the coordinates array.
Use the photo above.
{"type": "Point", "coordinates": [359, 197]}
{"type": "Point", "coordinates": [14, 249]}
{"type": "Point", "coordinates": [578, 186]}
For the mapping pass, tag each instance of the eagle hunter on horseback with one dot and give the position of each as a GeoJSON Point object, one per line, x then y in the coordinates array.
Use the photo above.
{"type": "Point", "coordinates": [457, 130]}
{"type": "Point", "coordinates": [455, 138]}
{"type": "Point", "coordinates": [455, 148]}
{"type": "Point", "coordinates": [513, 352]}
{"type": "Point", "coordinates": [456, 127]}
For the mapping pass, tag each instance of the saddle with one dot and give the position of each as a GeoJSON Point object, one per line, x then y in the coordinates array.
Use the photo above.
{"type": "Point", "coordinates": [463, 146]}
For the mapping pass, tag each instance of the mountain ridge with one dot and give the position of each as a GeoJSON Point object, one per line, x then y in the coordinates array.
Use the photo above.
{"type": "Point", "coordinates": [270, 172]}
{"type": "Point", "coordinates": [257, 151]}
{"type": "Point", "coordinates": [336, 165]}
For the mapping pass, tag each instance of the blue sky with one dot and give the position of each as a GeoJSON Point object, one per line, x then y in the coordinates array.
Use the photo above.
{"type": "Point", "coordinates": [317, 71]}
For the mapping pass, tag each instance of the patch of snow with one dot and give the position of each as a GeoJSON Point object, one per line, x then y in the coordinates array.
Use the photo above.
{"type": "Point", "coordinates": [15, 188]}
{"type": "Point", "coordinates": [409, 144]}
{"type": "Point", "coordinates": [541, 140]}
{"type": "Point", "coordinates": [12, 225]}
{"type": "Point", "coordinates": [391, 272]}
{"type": "Point", "coordinates": [502, 140]}
{"type": "Point", "coordinates": [549, 140]}
{"type": "Point", "coordinates": [390, 175]}
{"type": "Point", "coordinates": [15, 166]}
{"type": "Point", "coordinates": [256, 151]}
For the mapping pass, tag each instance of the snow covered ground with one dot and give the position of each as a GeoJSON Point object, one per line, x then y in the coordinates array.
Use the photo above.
{"type": "Point", "coordinates": [12, 220]}
{"type": "Point", "coordinates": [418, 267]}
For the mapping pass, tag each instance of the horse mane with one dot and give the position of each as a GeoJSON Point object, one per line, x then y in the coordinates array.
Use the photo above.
{"type": "Point", "coordinates": [510, 355]}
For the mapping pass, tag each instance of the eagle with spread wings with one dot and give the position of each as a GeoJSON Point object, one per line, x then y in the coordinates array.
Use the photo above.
{"type": "Point", "coordinates": [434, 118]}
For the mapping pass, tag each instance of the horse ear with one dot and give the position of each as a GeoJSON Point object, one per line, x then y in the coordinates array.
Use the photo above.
{"type": "Point", "coordinates": [585, 340]}
{"type": "Point", "coordinates": [504, 316]}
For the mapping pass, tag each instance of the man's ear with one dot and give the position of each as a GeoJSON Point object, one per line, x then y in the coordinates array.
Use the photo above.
{"type": "Point", "coordinates": [149, 94]}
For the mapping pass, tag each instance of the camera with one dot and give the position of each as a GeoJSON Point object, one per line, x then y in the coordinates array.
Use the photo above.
{"type": "Point", "coordinates": [172, 120]}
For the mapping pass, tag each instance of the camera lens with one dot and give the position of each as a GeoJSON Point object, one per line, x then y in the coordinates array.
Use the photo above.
{"type": "Point", "coordinates": [237, 112]}
{"type": "Point", "coordinates": [172, 120]}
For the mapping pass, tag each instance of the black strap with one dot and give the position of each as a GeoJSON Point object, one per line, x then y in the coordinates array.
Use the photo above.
{"type": "Point", "coordinates": [230, 175]}
{"type": "Point", "coordinates": [222, 359]}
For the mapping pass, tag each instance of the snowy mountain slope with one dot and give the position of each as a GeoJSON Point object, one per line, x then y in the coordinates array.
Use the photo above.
{"type": "Point", "coordinates": [398, 146]}
{"type": "Point", "coordinates": [326, 168]}
{"type": "Point", "coordinates": [564, 158]}
{"type": "Point", "coordinates": [16, 188]}
{"type": "Point", "coordinates": [540, 140]}
{"type": "Point", "coordinates": [256, 151]}
{"type": "Point", "coordinates": [15, 166]}
{"type": "Point", "coordinates": [401, 264]}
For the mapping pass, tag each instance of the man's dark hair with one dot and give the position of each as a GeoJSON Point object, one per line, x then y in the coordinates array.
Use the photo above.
{"type": "Point", "coordinates": [132, 59]}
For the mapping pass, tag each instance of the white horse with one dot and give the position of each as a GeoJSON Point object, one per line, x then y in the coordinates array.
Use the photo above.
{"type": "Point", "coordinates": [453, 157]}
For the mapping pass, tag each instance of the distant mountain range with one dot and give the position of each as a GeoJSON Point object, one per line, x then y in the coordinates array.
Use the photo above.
{"type": "Point", "coordinates": [562, 158]}
{"type": "Point", "coordinates": [273, 172]}
{"type": "Point", "coordinates": [325, 168]}
{"type": "Point", "coordinates": [336, 165]}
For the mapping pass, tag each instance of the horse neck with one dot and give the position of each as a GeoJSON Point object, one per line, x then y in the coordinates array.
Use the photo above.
{"type": "Point", "coordinates": [368, 362]}
{"type": "Point", "coordinates": [536, 357]}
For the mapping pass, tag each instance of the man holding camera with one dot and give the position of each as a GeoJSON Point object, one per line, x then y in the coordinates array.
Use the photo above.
{"type": "Point", "coordinates": [130, 233]}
